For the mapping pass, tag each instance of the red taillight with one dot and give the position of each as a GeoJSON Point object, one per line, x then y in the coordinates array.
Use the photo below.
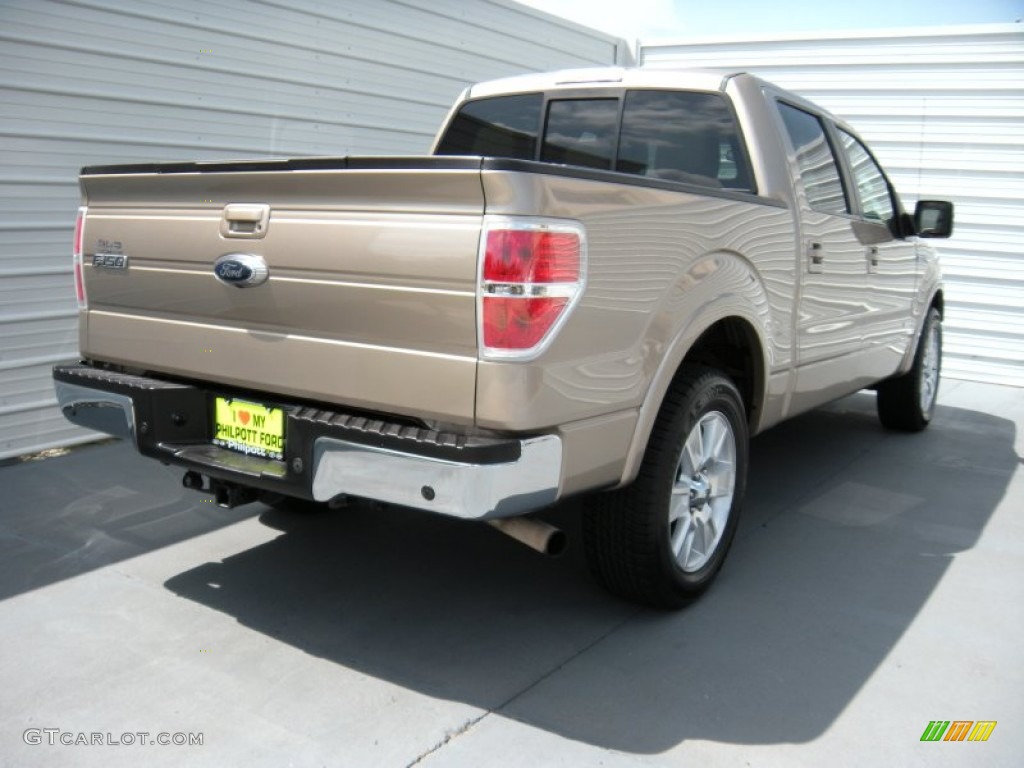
{"type": "Point", "coordinates": [532, 256]}
{"type": "Point", "coordinates": [532, 274]}
{"type": "Point", "coordinates": [76, 260]}
{"type": "Point", "coordinates": [514, 323]}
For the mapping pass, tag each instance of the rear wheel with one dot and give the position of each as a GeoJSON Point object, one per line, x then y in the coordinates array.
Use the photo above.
{"type": "Point", "coordinates": [907, 402]}
{"type": "Point", "coordinates": [662, 539]}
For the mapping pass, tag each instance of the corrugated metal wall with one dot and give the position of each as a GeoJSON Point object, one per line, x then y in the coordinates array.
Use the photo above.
{"type": "Point", "coordinates": [943, 109]}
{"type": "Point", "coordinates": [104, 81]}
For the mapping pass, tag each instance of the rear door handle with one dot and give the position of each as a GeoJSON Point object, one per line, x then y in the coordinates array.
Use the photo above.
{"type": "Point", "coordinates": [815, 257]}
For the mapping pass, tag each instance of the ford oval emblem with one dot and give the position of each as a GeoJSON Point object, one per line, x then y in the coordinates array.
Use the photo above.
{"type": "Point", "coordinates": [241, 269]}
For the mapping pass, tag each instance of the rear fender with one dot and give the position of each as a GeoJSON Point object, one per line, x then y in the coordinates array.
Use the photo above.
{"type": "Point", "coordinates": [736, 292]}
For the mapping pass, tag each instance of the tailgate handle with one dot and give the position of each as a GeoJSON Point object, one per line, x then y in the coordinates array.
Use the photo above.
{"type": "Point", "coordinates": [245, 220]}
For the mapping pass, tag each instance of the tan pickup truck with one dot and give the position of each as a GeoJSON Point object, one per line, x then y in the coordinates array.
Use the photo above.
{"type": "Point", "coordinates": [600, 282]}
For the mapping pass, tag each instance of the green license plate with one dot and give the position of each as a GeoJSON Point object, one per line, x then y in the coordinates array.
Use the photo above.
{"type": "Point", "coordinates": [248, 428]}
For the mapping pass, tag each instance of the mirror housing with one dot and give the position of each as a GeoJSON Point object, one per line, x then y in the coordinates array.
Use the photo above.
{"type": "Point", "coordinates": [903, 226]}
{"type": "Point", "coordinates": [933, 218]}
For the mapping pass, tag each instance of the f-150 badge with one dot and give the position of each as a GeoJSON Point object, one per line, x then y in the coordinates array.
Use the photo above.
{"type": "Point", "coordinates": [110, 260]}
{"type": "Point", "coordinates": [241, 269]}
{"type": "Point", "coordinates": [110, 254]}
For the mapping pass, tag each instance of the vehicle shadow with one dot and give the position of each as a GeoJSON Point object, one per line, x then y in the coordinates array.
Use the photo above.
{"type": "Point", "coordinates": [99, 504]}
{"type": "Point", "coordinates": [847, 531]}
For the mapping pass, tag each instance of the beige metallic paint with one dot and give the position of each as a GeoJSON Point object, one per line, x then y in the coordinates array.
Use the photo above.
{"type": "Point", "coordinates": [372, 290]}
{"type": "Point", "coordinates": [367, 305]}
{"type": "Point", "coordinates": [404, 381]}
{"type": "Point", "coordinates": [663, 267]}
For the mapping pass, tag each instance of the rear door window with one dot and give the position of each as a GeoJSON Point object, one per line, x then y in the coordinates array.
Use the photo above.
{"type": "Point", "coordinates": [819, 171]}
{"type": "Point", "coordinates": [682, 136]}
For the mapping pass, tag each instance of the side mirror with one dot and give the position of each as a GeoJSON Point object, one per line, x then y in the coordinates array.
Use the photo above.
{"type": "Point", "coordinates": [933, 218]}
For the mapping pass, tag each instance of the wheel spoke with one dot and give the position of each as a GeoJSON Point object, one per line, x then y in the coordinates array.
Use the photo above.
{"type": "Point", "coordinates": [719, 513]}
{"type": "Point", "coordinates": [711, 528]}
{"type": "Point", "coordinates": [694, 450]}
{"type": "Point", "coordinates": [715, 439]}
{"type": "Point", "coordinates": [723, 479]}
{"type": "Point", "coordinates": [682, 539]}
{"type": "Point", "coordinates": [700, 540]}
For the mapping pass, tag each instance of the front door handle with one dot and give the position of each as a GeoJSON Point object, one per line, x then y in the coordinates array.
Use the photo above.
{"type": "Point", "coordinates": [872, 256]}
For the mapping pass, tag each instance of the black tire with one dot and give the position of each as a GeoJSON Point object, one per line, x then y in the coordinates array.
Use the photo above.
{"type": "Point", "coordinates": [907, 402]}
{"type": "Point", "coordinates": [629, 540]}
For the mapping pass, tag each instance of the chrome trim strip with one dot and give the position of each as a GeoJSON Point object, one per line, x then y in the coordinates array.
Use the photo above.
{"type": "Point", "coordinates": [96, 409]}
{"type": "Point", "coordinates": [468, 491]}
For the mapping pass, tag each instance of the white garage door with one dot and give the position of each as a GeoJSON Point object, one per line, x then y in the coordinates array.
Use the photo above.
{"type": "Point", "coordinates": [112, 81]}
{"type": "Point", "coordinates": [944, 110]}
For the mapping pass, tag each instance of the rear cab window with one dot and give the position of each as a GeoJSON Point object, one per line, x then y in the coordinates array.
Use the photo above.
{"type": "Point", "coordinates": [666, 135]}
{"type": "Point", "coordinates": [581, 132]}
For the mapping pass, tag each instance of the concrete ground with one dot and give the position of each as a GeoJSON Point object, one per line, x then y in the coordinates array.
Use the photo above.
{"type": "Point", "coordinates": [876, 584]}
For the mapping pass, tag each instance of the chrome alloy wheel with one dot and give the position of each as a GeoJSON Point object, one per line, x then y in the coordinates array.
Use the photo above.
{"type": "Point", "coordinates": [705, 480]}
{"type": "Point", "coordinates": [930, 369]}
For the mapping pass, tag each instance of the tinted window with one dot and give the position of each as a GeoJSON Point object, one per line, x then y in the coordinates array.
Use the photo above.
{"type": "Point", "coordinates": [681, 136]}
{"type": "Point", "coordinates": [818, 169]}
{"type": "Point", "coordinates": [505, 126]}
{"type": "Point", "coordinates": [675, 135]}
{"type": "Point", "coordinates": [872, 188]}
{"type": "Point", "coordinates": [581, 132]}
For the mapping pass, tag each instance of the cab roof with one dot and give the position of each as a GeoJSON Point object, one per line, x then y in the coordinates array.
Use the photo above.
{"type": "Point", "coordinates": [612, 77]}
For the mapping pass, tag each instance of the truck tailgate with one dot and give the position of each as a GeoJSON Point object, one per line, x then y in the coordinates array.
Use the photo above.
{"type": "Point", "coordinates": [370, 299]}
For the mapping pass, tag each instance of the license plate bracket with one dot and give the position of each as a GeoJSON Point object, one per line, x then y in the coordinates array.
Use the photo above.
{"type": "Point", "coordinates": [249, 428]}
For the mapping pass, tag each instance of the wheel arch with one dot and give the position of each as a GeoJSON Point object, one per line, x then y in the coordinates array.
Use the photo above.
{"type": "Point", "coordinates": [937, 302]}
{"type": "Point", "coordinates": [731, 343]}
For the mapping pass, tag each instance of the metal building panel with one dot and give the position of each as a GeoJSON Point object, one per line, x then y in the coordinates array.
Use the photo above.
{"type": "Point", "coordinates": [943, 108]}
{"type": "Point", "coordinates": [113, 81]}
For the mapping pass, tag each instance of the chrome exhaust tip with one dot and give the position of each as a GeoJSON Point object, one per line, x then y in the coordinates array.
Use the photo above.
{"type": "Point", "coordinates": [536, 534]}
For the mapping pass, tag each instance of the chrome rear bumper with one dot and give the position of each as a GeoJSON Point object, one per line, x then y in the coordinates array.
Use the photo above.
{"type": "Point", "coordinates": [327, 454]}
{"type": "Point", "coordinates": [477, 491]}
{"type": "Point", "coordinates": [102, 411]}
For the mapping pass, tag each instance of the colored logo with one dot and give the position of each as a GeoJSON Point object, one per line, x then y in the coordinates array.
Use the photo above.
{"type": "Point", "coordinates": [241, 269]}
{"type": "Point", "coordinates": [958, 730]}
